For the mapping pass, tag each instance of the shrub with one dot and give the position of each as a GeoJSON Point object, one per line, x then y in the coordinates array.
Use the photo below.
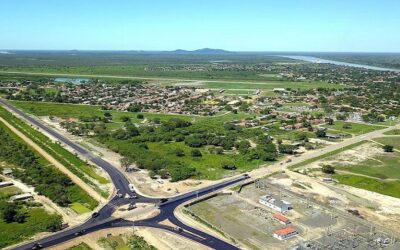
{"type": "Point", "coordinates": [196, 153]}
{"type": "Point", "coordinates": [388, 148]}
{"type": "Point", "coordinates": [328, 169]}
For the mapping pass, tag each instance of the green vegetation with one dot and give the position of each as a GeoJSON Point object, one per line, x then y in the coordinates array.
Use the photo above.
{"type": "Point", "coordinates": [34, 170]}
{"type": "Point", "coordinates": [81, 246]}
{"type": "Point", "coordinates": [133, 242]}
{"type": "Point", "coordinates": [6, 192]}
{"type": "Point", "coordinates": [138, 243]}
{"type": "Point", "coordinates": [385, 166]}
{"type": "Point", "coordinates": [79, 208]}
{"type": "Point", "coordinates": [21, 220]}
{"type": "Point", "coordinates": [393, 132]}
{"type": "Point", "coordinates": [393, 141]}
{"type": "Point", "coordinates": [390, 188]}
{"type": "Point", "coordinates": [353, 128]}
{"type": "Point", "coordinates": [69, 160]}
{"type": "Point", "coordinates": [153, 145]}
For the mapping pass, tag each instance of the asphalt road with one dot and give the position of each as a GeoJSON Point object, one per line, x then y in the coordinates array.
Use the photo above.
{"type": "Point", "coordinates": [104, 219]}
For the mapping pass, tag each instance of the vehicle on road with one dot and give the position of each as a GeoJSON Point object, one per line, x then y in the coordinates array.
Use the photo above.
{"type": "Point", "coordinates": [178, 229]}
{"type": "Point", "coordinates": [37, 246]}
{"type": "Point", "coordinates": [132, 206]}
{"type": "Point", "coordinates": [163, 200]}
{"type": "Point", "coordinates": [132, 187]}
{"type": "Point", "coordinates": [95, 215]}
{"type": "Point", "coordinates": [80, 233]}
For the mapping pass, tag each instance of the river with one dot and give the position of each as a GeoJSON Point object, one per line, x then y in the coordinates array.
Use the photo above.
{"type": "Point", "coordinates": [320, 60]}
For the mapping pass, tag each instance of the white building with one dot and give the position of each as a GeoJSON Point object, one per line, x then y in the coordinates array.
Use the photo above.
{"type": "Point", "coordinates": [6, 184]}
{"type": "Point", "coordinates": [21, 197]}
{"type": "Point", "coordinates": [278, 205]}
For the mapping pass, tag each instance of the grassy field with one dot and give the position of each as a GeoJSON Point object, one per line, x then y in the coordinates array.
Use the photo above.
{"type": "Point", "coordinates": [37, 221]}
{"type": "Point", "coordinates": [385, 166]}
{"type": "Point", "coordinates": [354, 128]}
{"type": "Point", "coordinates": [76, 111]}
{"type": "Point", "coordinates": [209, 165]}
{"type": "Point", "coordinates": [79, 208]}
{"type": "Point", "coordinates": [6, 192]}
{"type": "Point", "coordinates": [393, 132]}
{"type": "Point", "coordinates": [394, 141]}
{"type": "Point", "coordinates": [390, 188]}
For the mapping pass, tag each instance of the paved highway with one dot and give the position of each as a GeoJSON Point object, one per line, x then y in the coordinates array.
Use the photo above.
{"type": "Point", "coordinates": [104, 219]}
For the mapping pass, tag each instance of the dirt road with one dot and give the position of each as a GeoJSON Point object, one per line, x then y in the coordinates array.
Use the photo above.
{"type": "Point", "coordinates": [53, 161]}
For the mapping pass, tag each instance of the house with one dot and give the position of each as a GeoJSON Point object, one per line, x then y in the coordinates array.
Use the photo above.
{"type": "Point", "coordinates": [282, 219]}
{"type": "Point", "coordinates": [285, 233]}
{"type": "Point", "coordinates": [21, 197]}
{"type": "Point", "coordinates": [6, 184]}
{"type": "Point", "coordinates": [332, 136]}
{"type": "Point", "coordinates": [7, 172]}
{"type": "Point", "coordinates": [278, 205]}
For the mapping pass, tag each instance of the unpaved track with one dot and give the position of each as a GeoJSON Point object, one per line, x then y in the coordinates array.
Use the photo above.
{"type": "Point", "coordinates": [53, 161]}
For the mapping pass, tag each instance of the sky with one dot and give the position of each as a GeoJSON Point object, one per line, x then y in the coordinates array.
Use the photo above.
{"type": "Point", "coordinates": [237, 25]}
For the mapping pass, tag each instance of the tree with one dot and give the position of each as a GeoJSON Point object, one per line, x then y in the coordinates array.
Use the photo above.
{"type": "Point", "coordinates": [320, 133]}
{"type": "Point", "coordinates": [196, 153]}
{"type": "Point", "coordinates": [140, 116]}
{"type": "Point", "coordinates": [125, 163]}
{"type": "Point", "coordinates": [388, 148]}
{"type": "Point", "coordinates": [229, 166]}
{"type": "Point", "coordinates": [347, 126]}
{"type": "Point", "coordinates": [9, 212]}
{"type": "Point", "coordinates": [125, 119]}
{"type": "Point", "coordinates": [328, 169]}
{"type": "Point", "coordinates": [179, 152]}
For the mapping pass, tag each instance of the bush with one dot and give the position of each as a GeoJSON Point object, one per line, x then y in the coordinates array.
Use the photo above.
{"type": "Point", "coordinates": [320, 133]}
{"type": "Point", "coordinates": [229, 166]}
{"type": "Point", "coordinates": [179, 152]}
{"type": "Point", "coordinates": [196, 153]}
{"type": "Point", "coordinates": [328, 169]}
{"type": "Point", "coordinates": [388, 148]}
{"type": "Point", "coordinates": [140, 116]}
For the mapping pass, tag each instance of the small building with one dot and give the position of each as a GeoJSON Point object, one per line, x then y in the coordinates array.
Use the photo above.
{"type": "Point", "coordinates": [21, 197]}
{"type": "Point", "coordinates": [282, 219]}
{"type": "Point", "coordinates": [278, 205]}
{"type": "Point", "coordinates": [6, 184]}
{"type": "Point", "coordinates": [332, 136]}
{"type": "Point", "coordinates": [285, 233]}
{"type": "Point", "coordinates": [7, 172]}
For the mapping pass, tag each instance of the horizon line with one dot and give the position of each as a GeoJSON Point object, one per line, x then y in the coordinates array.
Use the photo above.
{"type": "Point", "coordinates": [186, 50]}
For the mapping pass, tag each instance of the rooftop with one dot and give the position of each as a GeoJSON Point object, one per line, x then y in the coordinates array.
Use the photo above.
{"type": "Point", "coordinates": [285, 231]}
{"type": "Point", "coordinates": [280, 217]}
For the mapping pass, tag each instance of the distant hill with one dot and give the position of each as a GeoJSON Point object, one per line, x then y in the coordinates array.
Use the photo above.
{"type": "Point", "coordinates": [205, 51]}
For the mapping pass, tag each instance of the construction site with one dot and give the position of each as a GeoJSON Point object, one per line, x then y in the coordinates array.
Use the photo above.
{"type": "Point", "coordinates": [263, 213]}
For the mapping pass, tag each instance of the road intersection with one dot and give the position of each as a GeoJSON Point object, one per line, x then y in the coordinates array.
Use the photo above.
{"type": "Point", "coordinates": [166, 206]}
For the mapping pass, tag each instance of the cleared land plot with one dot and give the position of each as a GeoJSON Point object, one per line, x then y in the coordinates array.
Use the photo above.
{"type": "Point", "coordinates": [353, 128]}
{"type": "Point", "coordinates": [364, 166]}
